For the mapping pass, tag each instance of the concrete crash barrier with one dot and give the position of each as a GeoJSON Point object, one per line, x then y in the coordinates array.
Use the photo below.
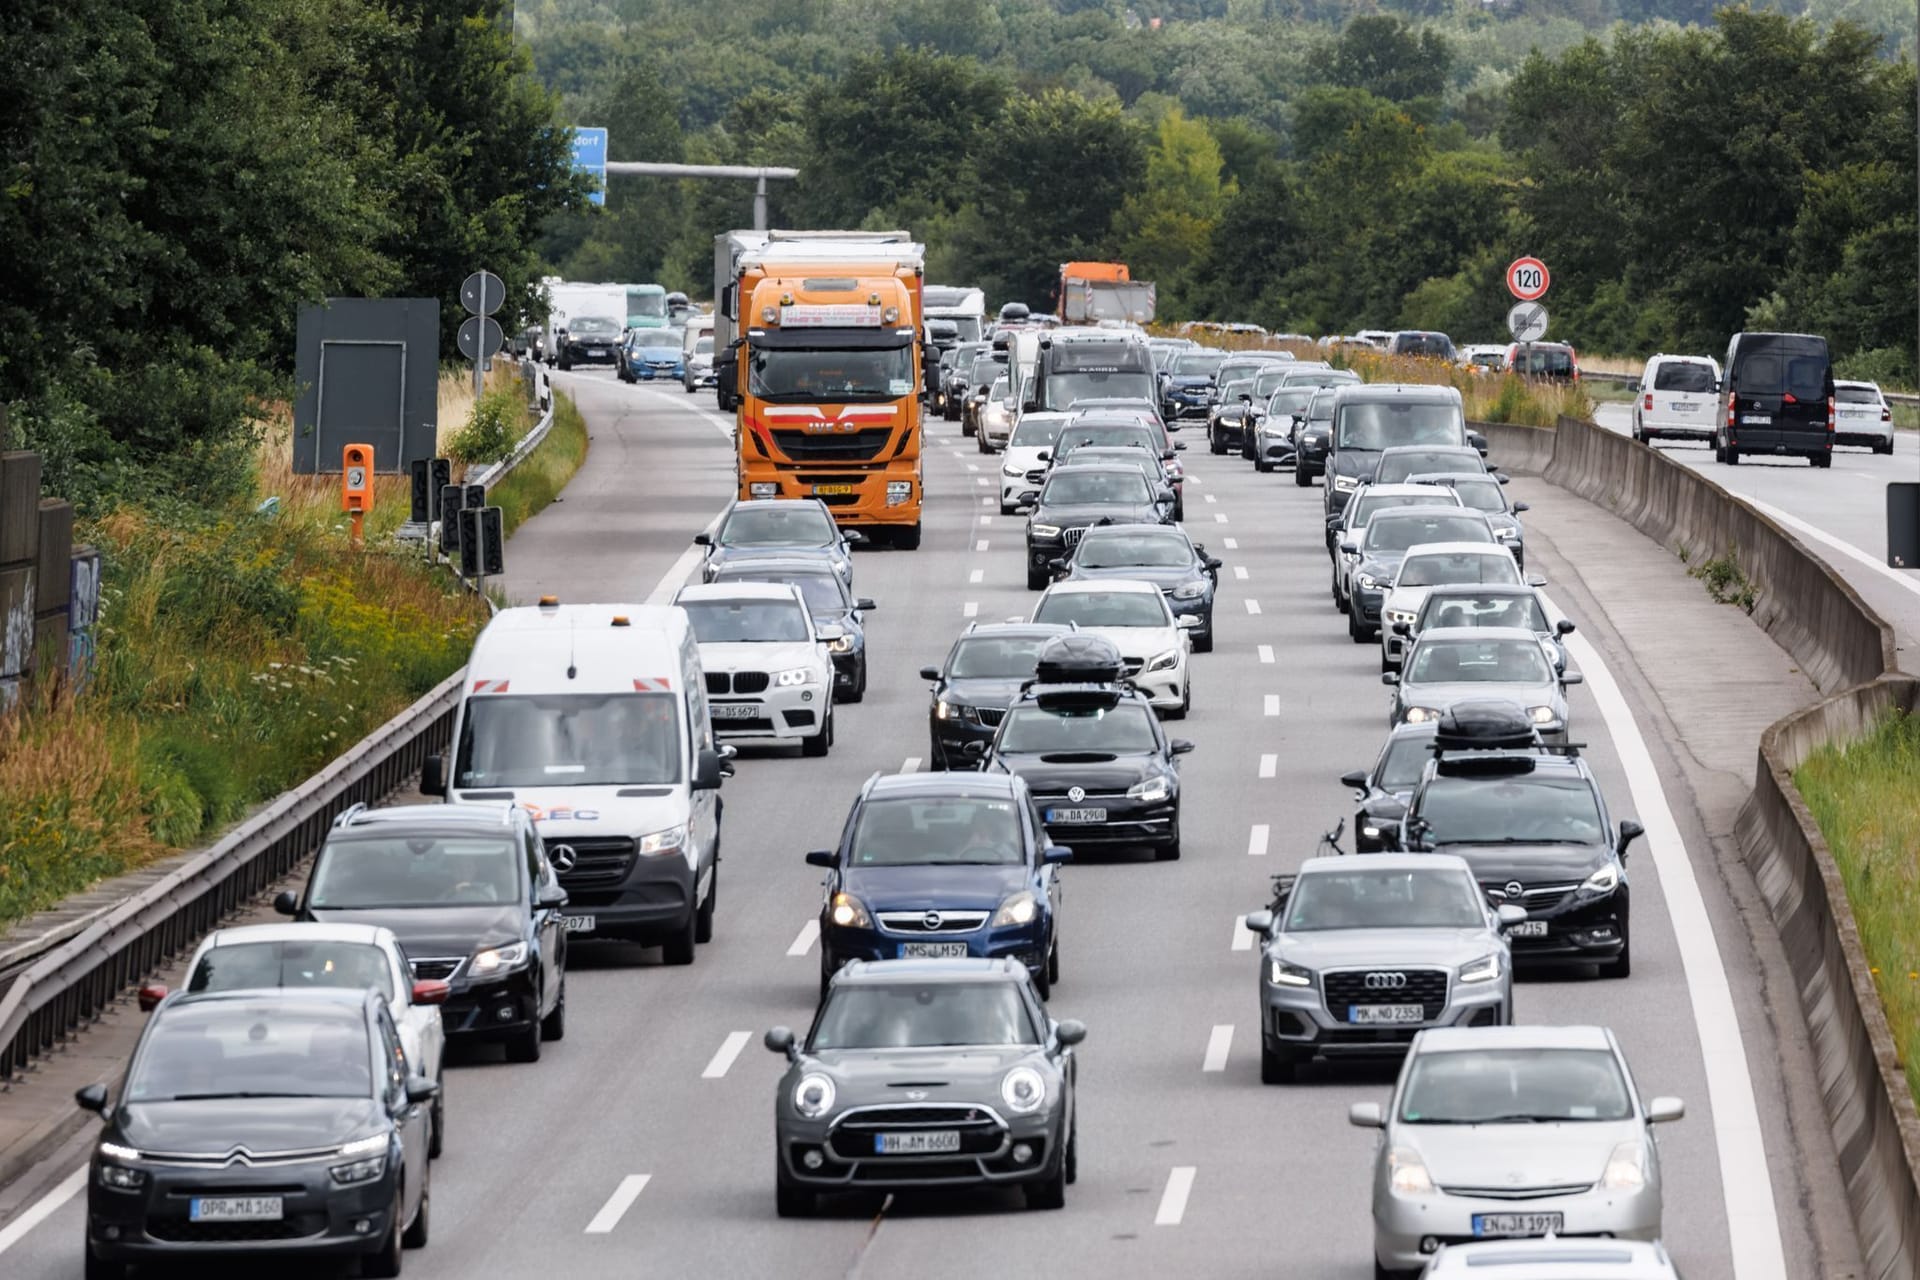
{"type": "Point", "coordinates": [1876, 1129]}
{"type": "Point", "coordinates": [1517, 450]}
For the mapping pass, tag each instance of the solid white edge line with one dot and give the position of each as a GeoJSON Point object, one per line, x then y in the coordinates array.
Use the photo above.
{"type": "Point", "coordinates": [675, 576]}
{"type": "Point", "coordinates": [1173, 1201]}
{"type": "Point", "coordinates": [1257, 839]}
{"type": "Point", "coordinates": [809, 934]}
{"type": "Point", "coordinates": [1219, 1045]}
{"type": "Point", "coordinates": [1844, 547]}
{"type": "Point", "coordinates": [618, 1203]}
{"type": "Point", "coordinates": [1269, 765]}
{"type": "Point", "coordinates": [1745, 1184]}
{"type": "Point", "coordinates": [1242, 936]}
{"type": "Point", "coordinates": [723, 1057]}
{"type": "Point", "coordinates": [43, 1208]}
{"type": "Point", "coordinates": [1266, 653]}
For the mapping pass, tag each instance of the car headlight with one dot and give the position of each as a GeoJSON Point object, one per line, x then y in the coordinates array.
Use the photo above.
{"type": "Point", "coordinates": [841, 566]}
{"type": "Point", "coordinates": [1507, 535]}
{"type": "Point", "coordinates": [794, 677]}
{"type": "Point", "coordinates": [849, 912]}
{"type": "Point", "coordinates": [766, 489]}
{"type": "Point", "coordinates": [358, 1171]}
{"type": "Point", "coordinates": [1018, 909]}
{"type": "Point", "coordinates": [1626, 1167]}
{"type": "Point", "coordinates": [1316, 438]}
{"type": "Point", "coordinates": [1043, 530]}
{"type": "Point", "coordinates": [1400, 615]}
{"type": "Point", "coordinates": [500, 959]}
{"type": "Point", "coordinates": [1154, 789]}
{"type": "Point", "coordinates": [117, 1177]}
{"type": "Point", "coordinates": [1163, 661]}
{"type": "Point", "coordinates": [813, 1096]}
{"type": "Point", "coordinates": [1605, 880]}
{"type": "Point", "coordinates": [659, 842]}
{"type": "Point", "coordinates": [1013, 473]}
{"type": "Point", "coordinates": [1190, 590]}
{"type": "Point", "coordinates": [1420, 715]}
{"type": "Point", "coordinates": [1345, 484]}
{"type": "Point", "coordinates": [1407, 1172]}
{"type": "Point", "coordinates": [1369, 582]}
{"type": "Point", "coordinates": [1486, 969]}
{"type": "Point", "coordinates": [1023, 1090]}
{"type": "Point", "coordinates": [1282, 974]}
{"type": "Point", "coordinates": [842, 645]}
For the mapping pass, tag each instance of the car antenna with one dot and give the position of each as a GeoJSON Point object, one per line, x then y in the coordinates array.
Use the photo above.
{"type": "Point", "coordinates": [572, 670]}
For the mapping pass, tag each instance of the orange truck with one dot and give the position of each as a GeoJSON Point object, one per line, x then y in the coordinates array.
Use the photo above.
{"type": "Point", "coordinates": [1094, 291]}
{"type": "Point", "coordinates": [830, 369]}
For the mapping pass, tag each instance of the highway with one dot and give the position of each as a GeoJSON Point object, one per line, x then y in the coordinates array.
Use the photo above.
{"type": "Point", "coordinates": [642, 1144]}
{"type": "Point", "coordinates": [1839, 512]}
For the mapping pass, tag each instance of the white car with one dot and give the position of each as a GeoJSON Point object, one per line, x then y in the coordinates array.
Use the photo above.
{"type": "Point", "coordinates": [1679, 399]}
{"type": "Point", "coordinates": [1135, 616]}
{"type": "Point", "coordinates": [1024, 462]}
{"type": "Point", "coordinates": [331, 955]}
{"type": "Point", "coordinates": [768, 668]}
{"type": "Point", "coordinates": [1861, 415]}
{"type": "Point", "coordinates": [1557, 1259]}
{"type": "Point", "coordinates": [1436, 564]}
{"type": "Point", "coordinates": [1484, 357]}
{"type": "Point", "coordinates": [996, 417]}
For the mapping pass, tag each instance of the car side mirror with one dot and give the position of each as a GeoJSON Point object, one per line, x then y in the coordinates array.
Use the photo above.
{"type": "Point", "coordinates": [702, 539]}
{"type": "Point", "coordinates": [1478, 441]}
{"type": "Point", "coordinates": [779, 1040]}
{"type": "Point", "coordinates": [1260, 922]}
{"type": "Point", "coordinates": [1389, 677]}
{"type": "Point", "coordinates": [930, 673]}
{"type": "Point", "coordinates": [1058, 564]}
{"type": "Point", "coordinates": [1349, 546]}
{"type": "Point", "coordinates": [1213, 563]}
{"type": "Point", "coordinates": [1356, 778]}
{"type": "Point", "coordinates": [1186, 622]}
{"type": "Point", "coordinates": [1634, 388]}
{"type": "Point", "coordinates": [1508, 914]}
{"type": "Point", "coordinates": [828, 632]}
{"type": "Point", "coordinates": [431, 991]}
{"type": "Point", "coordinates": [1563, 627]}
{"type": "Point", "coordinates": [1056, 853]}
{"type": "Point", "coordinates": [1629, 832]}
{"type": "Point", "coordinates": [150, 995]}
{"type": "Point", "coordinates": [1403, 628]}
{"type": "Point", "coordinates": [1536, 580]}
{"type": "Point", "coordinates": [1665, 1110]}
{"type": "Point", "coordinates": [92, 1097]}
{"type": "Point", "coordinates": [1519, 507]}
{"type": "Point", "coordinates": [1179, 747]}
{"type": "Point", "coordinates": [865, 605]}
{"type": "Point", "coordinates": [286, 903]}
{"type": "Point", "coordinates": [1366, 1115]}
{"type": "Point", "coordinates": [1164, 497]}
{"type": "Point", "coordinates": [1573, 677]}
{"type": "Point", "coordinates": [1179, 446]}
{"type": "Point", "coordinates": [433, 776]}
{"type": "Point", "coordinates": [551, 899]}
{"type": "Point", "coordinates": [708, 769]}
{"type": "Point", "coordinates": [821, 858]}
{"type": "Point", "coordinates": [420, 1089]}
{"type": "Point", "coordinates": [1070, 1032]}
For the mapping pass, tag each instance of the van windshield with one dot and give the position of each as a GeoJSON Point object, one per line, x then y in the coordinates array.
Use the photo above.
{"type": "Point", "coordinates": [1380, 425]}
{"type": "Point", "coordinates": [569, 740]}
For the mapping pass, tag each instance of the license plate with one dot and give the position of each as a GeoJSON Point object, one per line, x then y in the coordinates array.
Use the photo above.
{"type": "Point", "coordinates": [933, 951]}
{"type": "Point", "coordinates": [1076, 815]}
{"type": "Point", "coordinates": [1681, 406]}
{"type": "Point", "coordinates": [827, 489]}
{"type": "Point", "coordinates": [578, 924]}
{"type": "Point", "coordinates": [926, 1142]}
{"type": "Point", "coordinates": [235, 1209]}
{"type": "Point", "coordinates": [1757, 419]}
{"type": "Point", "coordinates": [1517, 1224]}
{"type": "Point", "coordinates": [1374, 1014]}
{"type": "Point", "coordinates": [596, 351]}
{"type": "Point", "coordinates": [1528, 929]}
{"type": "Point", "coordinates": [733, 710]}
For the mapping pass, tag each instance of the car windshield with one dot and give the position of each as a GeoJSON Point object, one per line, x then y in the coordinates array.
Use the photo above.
{"type": "Point", "coordinates": [995, 657]}
{"type": "Point", "coordinates": [1522, 809]}
{"type": "Point", "coordinates": [703, 346]}
{"type": "Point", "coordinates": [1269, 382]}
{"type": "Point", "coordinates": [1147, 464]}
{"type": "Point", "coordinates": [1117, 550]}
{"type": "Point", "coordinates": [1230, 392]}
{"type": "Point", "coordinates": [937, 831]}
{"type": "Point", "coordinates": [1856, 395]}
{"type": "Point", "coordinates": [1395, 468]}
{"type": "Point", "coordinates": [1104, 437]}
{"type": "Point", "coordinates": [1291, 401]}
{"type": "Point", "coordinates": [1397, 533]}
{"type": "Point", "coordinates": [1124, 729]}
{"type": "Point", "coordinates": [253, 1049]}
{"type": "Point", "coordinates": [569, 740]}
{"type": "Point", "coordinates": [1683, 375]}
{"type": "Point", "coordinates": [658, 340]}
{"type": "Point", "coordinates": [823, 592]}
{"type": "Point", "coordinates": [594, 327]}
{"type": "Point", "coordinates": [1372, 503]}
{"type": "Point", "coordinates": [1320, 412]}
{"type": "Point", "coordinates": [364, 872]}
{"type": "Point", "coordinates": [1452, 610]}
{"type": "Point", "coordinates": [1382, 424]}
{"type": "Point", "coordinates": [1515, 1086]}
{"type": "Point", "coordinates": [985, 370]}
{"type": "Point", "coordinates": [1438, 568]}
{"type": "Point", "coordinates": [1104, 609]}
{"type": "Point", "coordinates": [1094, 488]}
{"type": "Point", "coordinates": [1369, 899]}
{"type": "Point", "coordinates": [307, 963]}
{"type": "Point", "coordinates": [1512, 661]}
{"type": "Point", "coordinates": [1034, 433]}
{"type": "Point", "coordinates": [835, 377]}
{"type": "Point", "coordinates": [906, 1015]}
{"type": "Point", "coordinates": [1481, 495]}
{"type": "Point", "coordinates": [1060, 390]}
{"type": "Point", "coordinates": [779, 524]}
{"type": "Point", "coordinates": [746, 621]}
{"type": "Point", "coordinates": [1198, 364]}
{"type": "Point", "coordinates": [1406, 761]}
{"type": "Point", "coordinates": [646, 303]}
{"type": "Point", "coordinates": [1321, 379]}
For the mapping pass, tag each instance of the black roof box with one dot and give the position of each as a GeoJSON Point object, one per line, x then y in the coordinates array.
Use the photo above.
{"type": "Point", "coordinates": [1485, 724]}
{"type": "Point", "coordinates": [1078, 659]}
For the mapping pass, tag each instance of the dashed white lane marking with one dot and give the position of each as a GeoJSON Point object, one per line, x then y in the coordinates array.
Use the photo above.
{"type": "Point", "coordinates": [982, 481]}
{"type": "Point", "coordinates": [1240, 572]}
{"type": "Point", "coordinates": [977, 575]}
{"type": "Point", "coordinates": [970, 609]}
{"type": "Point", "coordinates": [1231, 544]}
{"type": "Point", "coordinates": [1219, 517]}
{"type": "Point", "coordinates": [910, 765]}
{"type": "Point", "coordinates": [1242, 936]}
{"type": "Point", "coordinates": [1253, 606]}
{"type": "Point", "coordinates": [43, 1208]}
{"type": "Point", "coordinates": [618, 1203]}
{"type": "Point", "coordinates": [1257, 840]}
{"type": "Point", "coordinates": [1219, 1045]}
{"type": "Point", "coordinates": [958, 453]}
{"type": "Point", "coordinates": [986, 502]}
{"type": "Point", "coordinates": [980, 545]}
{"type": "Point", "coordinates": [1269, 765]}
{"type": "Point", "coordinates": [971, 467]}
{"type": "Point", "coordinates": [985, 521]}
{"type": "Point", "coordinates": [1211, 498]}
{"type": "Point", "coordinates": [1266, 653]}
{"type": "Point", "coordinates": [1173, 1201]}
{"type": "Point", "coordinates": [809, 934]}
{"type": "Point", "coordinates": [1270, 705]}
{"type": "Point", "coordinates": [723, 1057]}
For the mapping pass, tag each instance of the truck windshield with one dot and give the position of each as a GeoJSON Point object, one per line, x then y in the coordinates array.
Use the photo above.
{"type": "Point", "coordinates": [569, 740]}
{"type": "Point", "coordinates": [967, 327]}
{"type": "Point", "coordinates": [1060, 390]}
{"type": "Point", "coordinates": [787, 376]}
{"type": "Point", "coordinates": [649, 306]}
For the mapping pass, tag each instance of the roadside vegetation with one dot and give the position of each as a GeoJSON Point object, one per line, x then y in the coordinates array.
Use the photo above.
{"type": "Point", "coordinates": [1864, 799]}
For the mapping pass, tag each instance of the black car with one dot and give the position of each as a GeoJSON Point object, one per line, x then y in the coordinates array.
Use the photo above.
{"type": "Point", "coordinates": [1187, 389]}
{"type": "Point", "coordinates": [1486, 493]}
{"type": "Point", "coordinates": [1233, 416]}
{"type": "Point", "coordinates": [1384, 545]}
{"type": "Point", "coordinates": [1777, 398]}
{"type": "Point", "coordinates": [775, 528]}
{"type": "Point", "coordinates": [984, 672]}
{"type": "Point", "coordinates": [1382, 792]}
{"type": "Point", "coordinates": [1161, 554]}
{"type": "Point", "coordinates": [1100, 767]}
{"type": "Point", "coordinates": [591, 340]}
{"type": "Point", "coordinates": [283, 1122]}
{"type": "Point", "coordinates": [1076, 497]}
{"type": "Point", "coordinates": [831, 602]}
{"type": "Point", "coordinates": [1311, 436]}
{"type": "Point", "coordinates": [470, 894]}
{"type": "Point", "coordinates": [1533, 824]}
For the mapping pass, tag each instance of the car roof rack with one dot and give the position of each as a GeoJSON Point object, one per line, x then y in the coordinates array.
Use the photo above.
{"type": "Point", "coordinates": [1493, 724]}
{"type": "Point", "coordinates": [1079, 697]}
{"type": "Point", "coordinates": [1078, 658]}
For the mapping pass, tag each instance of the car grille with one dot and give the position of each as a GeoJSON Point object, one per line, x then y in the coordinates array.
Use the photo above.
{"type": "Point", "coordinates": [599, 862]}
{"type": "Point", "coordinates": [182, 1231]}
{"type": "Point", "coordinates": [990, 716]}
{"type": "Point", "coordinates": [1349, 987]}
{"type": "Point", "coordinates": [981, 1132]}
{"type": "Point", "coordinates": [1518, 1193]}
{"type": "Point", "coordinates": [759, 725]}
{"type": "Point", "coordinates": [1131, 667]}
{"type": "Point", "coordinates": [723, 682]}
{"type": "Point", "coordinates": [1531, 895]}
{"type": "Point", "coordinates": [833, 446]}
{"type": "Point", "coordinates": [1037, 476]}
{"type": "Point", "coordinates": [436, 967]}
{"type": "Point", "coordinates": [916, 921]}
{"type": "Point", "coordinates": [1072, 536]}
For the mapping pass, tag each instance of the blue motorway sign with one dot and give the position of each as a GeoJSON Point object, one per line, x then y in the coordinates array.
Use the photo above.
{"type": "Point", "coordinates": [590, 154]}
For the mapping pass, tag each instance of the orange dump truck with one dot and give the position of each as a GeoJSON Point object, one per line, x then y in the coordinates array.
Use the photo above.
{"type": "Point", "coordinates": [1094, 291]}
{"type": "Point", "coordinates": [829, 375]}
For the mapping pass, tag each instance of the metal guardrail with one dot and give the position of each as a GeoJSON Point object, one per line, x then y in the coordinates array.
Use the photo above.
{"type": "Point", "coordinates": [542, 396]}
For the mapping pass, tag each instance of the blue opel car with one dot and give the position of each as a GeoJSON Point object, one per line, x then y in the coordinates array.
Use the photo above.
{"type": "Point", "coordinates": [934, 865]}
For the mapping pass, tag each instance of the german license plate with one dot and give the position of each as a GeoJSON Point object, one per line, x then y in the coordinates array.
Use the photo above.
{"type": "Point", "coordinates": [578, 924]}
{"type": "Point", "coordinates": [596, 351]}
{"type": "Point", "coordinates": [1757, 419]}
{"type": "Point", "coordinates": [925, 1142]}
{"type": "Point", "coordinates": [734, 710]}
{"type": "Point", "coordinates": [235, 1209]}
{"type": "Point", "coordinates": [933, 950]}
{"type": "Point", "coordinates": [1076, 815]}
{"type": "Point", "coordinates": [1516, 1224]}
{"type": "Point", "coordinates": [1376, 1014]}
{"type": "Point", "coordinates": [1528, 929]}
{"type": "Point", "coordinates": [830, 489]}
{"type": "Point", "coordinates": [1681, 406]}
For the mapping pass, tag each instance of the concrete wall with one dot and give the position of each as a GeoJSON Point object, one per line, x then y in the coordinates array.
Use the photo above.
{"type": "Point", "coordinates": [1517, 450]}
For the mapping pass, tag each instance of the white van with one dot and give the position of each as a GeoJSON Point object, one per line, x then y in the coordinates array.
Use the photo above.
{"type": "Point", "coordinates": [594, 718]}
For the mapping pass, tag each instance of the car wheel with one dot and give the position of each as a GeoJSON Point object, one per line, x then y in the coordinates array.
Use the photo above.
{"type": "Point", "coordinates": [678, 948]}
{"type": "Point", "coordinates": [1388, 1273]}
{"type": "Point", "coordinates": [420, 1230]}
{"type": "Point", "coordinates": [438, 1143]}
{"type": "Point", "coordinates": [980, 438]}
{"type": "Point", "coordinates": [907, 539]}
{"type": "Point", "coordinates": [1203, 637]}
{"type": "Point", "coordinates": [1043, 983]}
{"type": "Point", "coordinates": [1170, 851]}
{"type": "Point", "coordinates": [1339, 601]}
{"type": "Point", "coordinates": [1886, 448]}
{"type": "Point", "coordinates": [525, 1045]}
{"type": "Point", "coordinates": [1622, 966]}
{"type": "Point", "coordinates": [1072, 1169]}
{"type": "Point", "coordinates": [1049, 1192]}
{"type": "Point", "coordinates": [99, 1268]}
{"type": "Point", "coordinates": [1262, 466]}
{"type": "Point", "coordinates": [1277, 1066]}
{"type": "Point", "coordinates": [1053, 962]}
{"type": "Point", "coordinates": [1821, 460]}
{"type": "Point", "coordinates": [1214, 443]}
{"type": "Point", "coordinates": [790, 1201]}
{"type": "Point", "coordinates": [1037, 577]}
{"type": "Point", "coordinates": [859, 689]}
{"type": "Point", "coordinates": [566, 366]}
{"type": "Point", "coordinates": [1180, 510]}
{"type": "Point", "coordinates": [1006, 510]}
{"type": "Point", "coordinates": [826, 972]}
{"type": "Point", "coordinates": [703, 918]}
{"type": "Point", "coordinates": [1186, 705]}
{"type": "Point", "coordinates": [554, 1025]}
{"type": "Point", "coordinates": [384, 1262]}
{"type": "Point", "coordinates": [1357, 631]}
{"type": "Point", "coordinates": [818, 745]}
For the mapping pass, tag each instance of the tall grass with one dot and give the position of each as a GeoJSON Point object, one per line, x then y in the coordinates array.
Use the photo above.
{"type": "Point", "coordinates": [1866, 803]}
{"type": "Point", "coordinates": [1488, 397]}
{"type": "Point", "coordinates": [543, 473]}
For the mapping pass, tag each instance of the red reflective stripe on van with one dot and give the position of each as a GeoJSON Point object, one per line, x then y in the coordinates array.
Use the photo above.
{"type": "Point", "coordinates": [490, 686]}
{"type": "Point", "coordinates": [652, 684]}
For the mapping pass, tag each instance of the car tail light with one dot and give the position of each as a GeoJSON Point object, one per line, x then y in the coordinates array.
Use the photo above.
{"type": "Point", "coordinates": [1649, 405]}
{"type": "Point", "coordinates": [1830, 413]}
{"type": "Point", "coordinates": [1886, 413]}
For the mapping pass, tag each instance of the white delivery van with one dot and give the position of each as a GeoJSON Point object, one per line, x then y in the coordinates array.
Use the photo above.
{"type": "Point", "coordinates": [594, 718]}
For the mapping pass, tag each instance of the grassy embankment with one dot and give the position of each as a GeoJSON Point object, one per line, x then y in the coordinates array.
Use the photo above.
{"type": "Point", "coordinates": [1867, 806]}
{"type": "Point", "coordinates": [237, 651]}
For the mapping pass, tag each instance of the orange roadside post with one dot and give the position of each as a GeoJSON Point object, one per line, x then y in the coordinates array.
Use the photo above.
{"type": "Point", "coordinates": [356, 484]}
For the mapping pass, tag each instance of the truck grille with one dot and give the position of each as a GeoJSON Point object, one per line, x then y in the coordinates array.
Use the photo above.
{"type": "Point", "coordinates": [599, 862]}
{"type": "Point", "coordinates": [833, 446]}
{"type": "Point", "coordinates": [1427, 987]}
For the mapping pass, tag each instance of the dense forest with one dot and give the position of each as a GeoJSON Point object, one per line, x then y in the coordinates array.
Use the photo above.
{"type": "Point", "coordinates": [1315, 165]}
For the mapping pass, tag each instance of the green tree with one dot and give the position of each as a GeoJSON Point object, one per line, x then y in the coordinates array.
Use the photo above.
{"type": "Point", "coordinates": [1166, 226]}
{"type": "Point", "coordinates": [1388, 58]}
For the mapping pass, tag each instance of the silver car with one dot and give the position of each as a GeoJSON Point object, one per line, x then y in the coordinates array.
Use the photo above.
{"type": "Point", "coordinates": [1362, 953]}
{"type": "Point", "coordinates": [1447, 665]}
{"type": "Point", "coordinates": [1511, 1131]}
{"type": "Point", "coordinates": [1552, 1260]}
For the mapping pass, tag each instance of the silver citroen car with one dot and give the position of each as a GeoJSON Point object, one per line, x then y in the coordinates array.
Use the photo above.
{"type": "Point", "coordinates": [1501, 1132]}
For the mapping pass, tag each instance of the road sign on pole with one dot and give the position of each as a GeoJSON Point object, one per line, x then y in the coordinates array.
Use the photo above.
{"type": "Point", "coordinates": [1527, 322]}
{"type": "Point", "coordinates": [590, 154]}
{"type": "Point", "coordinates": [1527, 279]}
{"type": "Point", "coordinates": [482, 293]}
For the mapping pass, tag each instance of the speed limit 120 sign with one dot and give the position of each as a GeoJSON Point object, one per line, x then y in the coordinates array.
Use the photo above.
{"type": "Point", "coordinates": [1527, 279]}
